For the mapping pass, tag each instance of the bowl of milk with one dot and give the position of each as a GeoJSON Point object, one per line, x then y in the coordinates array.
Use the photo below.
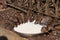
{"type": "Point", "coordinates": [29, 29]}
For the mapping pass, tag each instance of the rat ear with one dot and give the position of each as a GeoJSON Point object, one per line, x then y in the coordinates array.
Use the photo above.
{"type": "Point", "coordinates": [44, 30]}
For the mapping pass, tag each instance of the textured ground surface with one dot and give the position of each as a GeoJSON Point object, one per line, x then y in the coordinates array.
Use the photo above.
{"type": "Point", "coordinates": [15, 15]}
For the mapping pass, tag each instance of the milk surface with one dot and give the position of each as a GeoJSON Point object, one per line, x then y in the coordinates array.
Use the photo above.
{"type": "Point", "coordinates": [29, 28]}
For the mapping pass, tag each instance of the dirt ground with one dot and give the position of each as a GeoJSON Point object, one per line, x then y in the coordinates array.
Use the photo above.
{"type": "Point", "coordinates": [13, 16]}
{"type": "Point", "coordinates": [53, 35]}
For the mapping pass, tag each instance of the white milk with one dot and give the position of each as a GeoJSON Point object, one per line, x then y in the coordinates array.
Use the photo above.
{"type": "Point", "coordinates": [29, 28]}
